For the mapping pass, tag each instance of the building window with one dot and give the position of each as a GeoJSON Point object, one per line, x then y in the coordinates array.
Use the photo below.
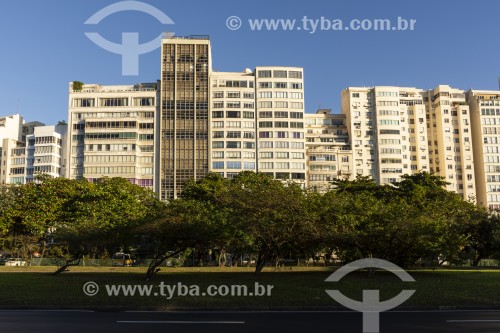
{"type": "Point", "coordinates": [218, 154]}
{"type": "Point", "coordinates": [266, 94]}
{"type": "Point", "coordinates": [233, 114]}
{"type": "Point", "coordinates": [249, 165]}
{"type": "Point", "coordinates": [265, 134]}
{"type": "Point", "coordinates": [282, 135]}
{"type": "Point", "coordinates": [217, 114]}
{"type": "Point", "coordinates": [279, 74]}
{"type": "Point", "coordinates": [217, 165]}
{"type": "Point", "coordinates": [264, 74]}
{"type": "Point", "coordinates": [280, 114]}
{"type": "Point", "coordinates": [266, 155]}
{"type": "Point", "coordinates": [233, 144]}
{"type": "Point", "coordinates": [249, 145]}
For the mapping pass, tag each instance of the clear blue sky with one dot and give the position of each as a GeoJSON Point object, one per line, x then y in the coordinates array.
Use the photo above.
{"type": "Point", "coordinates": [43, 46]}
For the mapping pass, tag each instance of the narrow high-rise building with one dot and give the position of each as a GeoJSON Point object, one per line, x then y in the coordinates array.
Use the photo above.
{"type": "Point", "coordinates": [450, 139]}
{"type": "Point", "coordinates": [280, 123]}
{"type": "Point", "coordinates": [184, 113]}
{"type": "Point", "coordinates": [387, 131]}
{"type": "Point", "coordinates": [232, 123]}
{"type": "Point", "coordinates": [485, 122]}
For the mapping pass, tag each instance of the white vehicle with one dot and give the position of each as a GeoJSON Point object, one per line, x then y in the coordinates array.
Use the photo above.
{"type": "Point", "coordinates": [15, 262]}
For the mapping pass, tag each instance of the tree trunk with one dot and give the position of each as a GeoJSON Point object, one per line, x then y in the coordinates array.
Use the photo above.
{"type": "Point", "coordinates": [157, 261]}
{"type": "Point", "coordinates": [70, 262]}
{"type": "Point", "coordinates": [476, 260]}
{"type": "Point", "coordinates": [261, 263]}
{"type": "Point", "coordinates": [44, 247]}
{"type": "Point", "coordinates": [222, 258]}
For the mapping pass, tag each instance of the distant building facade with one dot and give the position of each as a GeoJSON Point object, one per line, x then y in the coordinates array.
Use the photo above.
{"type": "Point", "coordinates": [111, 132]}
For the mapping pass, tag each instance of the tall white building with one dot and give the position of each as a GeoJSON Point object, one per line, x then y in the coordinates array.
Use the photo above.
{"type": "Point", "coordinates": [329, 154]}
{"type": "Point", "coordinates": [378, 119]}
{"type": "Point", "coordinates": [401, 130]}
{"type": "Point", "coordinates": [280, 122]}
{"type": "Point", "coordinates": [232, 123]}
{"type": "Point", "coordinates": [450, 139]}
{"type": "Point", "coordinates": [257, 123]}
{"type": "Point", "coordinates": [112, 132]}
{"type": "Point", "coordinates": [485, 123]}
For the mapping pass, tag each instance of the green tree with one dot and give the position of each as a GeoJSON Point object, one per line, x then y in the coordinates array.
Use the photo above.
{"type": "Point", "coordinates": [404, 222]}
{"type": "Point", "coordinates": [483, 228]}
{"type": "Point", "coordinates": [273, 214]}
{"type": "Point", "coordinates": [104, 215]}
{"type": "Point", "coordinates": [182, 224]}
{"type": "Point", "coordinates": [77, 85]}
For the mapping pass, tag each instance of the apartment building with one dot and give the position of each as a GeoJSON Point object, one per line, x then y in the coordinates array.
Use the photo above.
{"type": "Point", "coordinates": [111, 132]}
{"type": "Point", "coordinates": [378, 119]}
{"type": "Point", "coordinates": [10, 137]}
{"type": "Point", "coordinates": [29, 128]}
{"type": "Point", "coordinates": [412, 104]}
{"type": "Point", "coordinates": [402, 130]}
{"type": "Point", "coordinates": [30, 149]}
{"type": "Point", "coordinates": [184, 113]}
{"type": "Point", "coordinates": [328, 149]}
{"type": "Point", "coordinates": [279, 93]}
{"type": "Point", "coordinates": [232, 123]}
{"type": "Point", "coordinates": [14, 162]}
{"type": "Point", "coordinates": [485, 123]}
{"type": "Point", "coordinates": [450, 139]}
{"type": "Point", "coordinates": [45, 152]}
{"type": "Point", "coordinates": [226, 122]}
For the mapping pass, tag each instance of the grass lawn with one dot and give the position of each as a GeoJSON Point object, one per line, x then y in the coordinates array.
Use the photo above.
{"type": "Point", "coordinates": [297, 287]}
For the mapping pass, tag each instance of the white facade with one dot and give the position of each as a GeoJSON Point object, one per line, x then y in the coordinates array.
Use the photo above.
{"type": "Point", "coordinates": [11, 128]}
{"type": "Point", "coordinates": [378, 121]}
{"type": "Point", "coordinates": [485, 119]}
{"type": "Point", "coordinates": [257, 123]}
{"type": "Point", "coordinates": [400, 130]}
{"type": "Point", "coordinates": [45, 152]}
{"type": "Point", "coordinates": [232, 123]}
{"type": "Point", "coordinates": [329, 154]}
{"type": "Point", "coordinates": [30, 149]}
{"type": "Point", "coordinates": [450, 139]}
{"type": "Point", "coordinates": [111, 132]}
{"type": "Point", "coordinates": [279, 96]}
